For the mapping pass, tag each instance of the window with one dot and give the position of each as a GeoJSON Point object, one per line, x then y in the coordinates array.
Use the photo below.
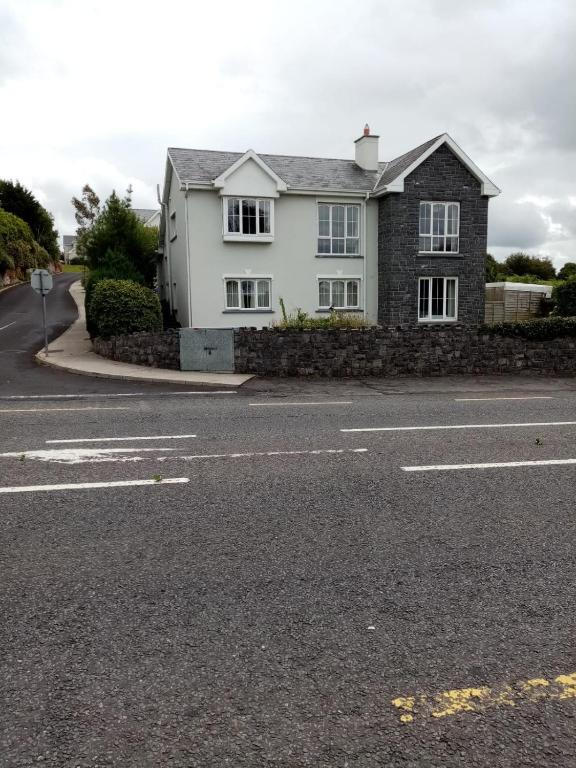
{"type": "Point", "coordinates": [437, 298]}
{"type": "Point", "coordinates": [247, 294]}
{"type": "Point", "coordinates": [338, 294]}
{"type": "Point", "coordinates": [247, 217]}
{"type": "Point", "coordinates": [338, 230]}
{"type": "Point", "coordinates": [173, 232]}
{"type": "Point", "coordinates": [439, 227]}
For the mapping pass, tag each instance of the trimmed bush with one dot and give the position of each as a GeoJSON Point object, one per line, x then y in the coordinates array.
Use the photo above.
{"type": "Point", "coordinates": [565, 298]}
{"type": "Point", "coordinates": [541, 329]}
{"type": "Point", "coordinates": [115, 266]}
{"type": "Point", "coordinates": [123, 306]}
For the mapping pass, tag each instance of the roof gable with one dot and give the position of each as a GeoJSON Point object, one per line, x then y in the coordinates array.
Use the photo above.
{"type": "Point", "coordinates": [252, 175]}
{"type": "Point", "coordinates": [392, 178]}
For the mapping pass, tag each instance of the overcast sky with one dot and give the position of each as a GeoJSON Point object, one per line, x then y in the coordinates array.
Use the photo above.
{"type": "Point", "coordinates": [94, 92]}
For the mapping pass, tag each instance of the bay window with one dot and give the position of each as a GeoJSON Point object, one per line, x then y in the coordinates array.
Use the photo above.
{"type": "Point", "coordinates": [437, 299]}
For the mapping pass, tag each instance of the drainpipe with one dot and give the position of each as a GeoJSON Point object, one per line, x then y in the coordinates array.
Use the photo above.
{"type": "Point", "coordinates": [166, 247]}
{"type": "Point", "coordinates": [189, 285]}
{"type": "Point", "coordinates": [365, 260]}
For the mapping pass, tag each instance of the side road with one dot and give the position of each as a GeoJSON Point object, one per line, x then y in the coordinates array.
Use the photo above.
{"type": "Point", "coordinates": [72, 352]}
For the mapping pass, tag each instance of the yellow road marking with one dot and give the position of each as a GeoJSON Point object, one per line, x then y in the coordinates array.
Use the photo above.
{"type": "Point", "coordinates": [480, 699]}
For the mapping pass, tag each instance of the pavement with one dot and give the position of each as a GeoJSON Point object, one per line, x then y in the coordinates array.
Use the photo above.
{"type": "Point", "coordinates": [73, 352]}
{"type": "Point", "coordinates": [294, 574]}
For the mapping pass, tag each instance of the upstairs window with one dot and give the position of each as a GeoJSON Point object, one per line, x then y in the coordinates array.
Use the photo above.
{"type": "Point", "coordinates": [439, 227]}
{"type": "Point", "coordinates": [247, 294]}
{"type": "Point", "coordinates": [338, 294]}
{"type": "Point", "coordinates": [247, 217]}
{"type": "Point", "coordinates": [338, 230]}
{"type": "Point", "coordinates": [437, 299]}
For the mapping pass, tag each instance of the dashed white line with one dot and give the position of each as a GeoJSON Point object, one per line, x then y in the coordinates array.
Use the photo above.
{"type": "Point", "coordinates": [121, 439]}
{"type": "Point", "coordinates": [83, 455]}
{"type": "Point", "coordinates": [324, 402]}
{"type": "Point", "coordinates": [82, 486]}
{"type": "Point", "coordinates": [480, 399]}
{"type": "Point", "coordinates": [265, 453]}
{"type": "Point", "coordinates": [489, 465]}
{"type": "Point", "coordinates": [464, 426]}
{"type": "Point", "coordinates": [86, 408]}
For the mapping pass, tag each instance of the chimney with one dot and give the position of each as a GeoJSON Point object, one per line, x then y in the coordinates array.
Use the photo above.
{"type": "Point", "coordinates": [367, 150]}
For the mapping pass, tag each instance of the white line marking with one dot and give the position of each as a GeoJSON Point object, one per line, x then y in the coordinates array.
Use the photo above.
{"type": "Point", "coordinates": [263, 453]}
{"type": "Point", "coordinates": [7, 326]}
{"type": "Point", "coordinates": [82, 455]}
{"type": "Point", "coordinates": [463, 426]}
{"type": "Point", "coordinates": [81, 486]}
{"type": "Point", "coordinates": [121, 439]}
{"type": "Point", "coordinates": [477, 399]}
{"type": "Point", "coordinates": [47, 410]}
{"type": "Point", "coordinates": [325, 402]}
{"type": "Point", "coordinates": [103, 396]}
{"type": "Point", "coordinates": [491, 465]}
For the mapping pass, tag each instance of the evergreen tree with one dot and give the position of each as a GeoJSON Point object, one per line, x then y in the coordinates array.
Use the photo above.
{"type": "Point", "coordinates": [16, 199]}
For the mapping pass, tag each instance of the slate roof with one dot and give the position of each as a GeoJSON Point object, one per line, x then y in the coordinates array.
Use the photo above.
{"type": "Point", "coordinates": [202, 166]}
{"type": "Point", "coordinates": [396, 167]}
{"type": "Point", "coordinates": [144, 214]}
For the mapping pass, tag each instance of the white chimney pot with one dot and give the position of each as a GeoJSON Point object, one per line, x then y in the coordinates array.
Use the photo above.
{"type": "Point", "coordinates": [367, 150]}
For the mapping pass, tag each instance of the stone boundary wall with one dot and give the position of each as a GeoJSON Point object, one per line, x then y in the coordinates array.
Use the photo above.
{"type": "Point", "coordinates": [436, 350]}
{"type": "Point", "coordinates": [157, 350]}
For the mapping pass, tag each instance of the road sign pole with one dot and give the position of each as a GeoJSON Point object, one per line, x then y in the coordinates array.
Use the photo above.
{"type": "Point", "coordinates": [44, 314]}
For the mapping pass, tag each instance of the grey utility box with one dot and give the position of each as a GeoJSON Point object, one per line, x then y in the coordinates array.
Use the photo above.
{"type": "Point", "coordinates": [207, 349]}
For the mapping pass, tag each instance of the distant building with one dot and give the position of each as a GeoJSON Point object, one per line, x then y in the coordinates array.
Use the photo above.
{"type": "Point", "coordinates": [69, 247]}
{"type": "Point", "coordinates": [150, 217]}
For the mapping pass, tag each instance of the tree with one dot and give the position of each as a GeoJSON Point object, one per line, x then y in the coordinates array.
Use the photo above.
{"type": "Point", "coordinates": [16, 199]}
{"type": "Point", "coordinates": [492, 268]}
{"type": "Point", "coordinates": [86, 208]}
{"type": "Point", "coordinates": [523, 264]}
{"type": "Point", "coordinates": [117, 230]}
{"type": "Point", "coordinates": [18, 249]}
{"type": "Point", "coordinates": [564, 296]}
{"type": "Point", "coordinates": [567, 271]}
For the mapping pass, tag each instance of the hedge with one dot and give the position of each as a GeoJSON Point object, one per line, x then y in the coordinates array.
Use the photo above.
{"type": "Point", "coordinates": [123, 306]}
{"type": "Point", "coordinates": [565, 298]}
{"type": "Point", "coordinates": [539, 329]}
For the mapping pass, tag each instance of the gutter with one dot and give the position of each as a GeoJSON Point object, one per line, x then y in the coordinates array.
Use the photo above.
{"type": "Point", "coordinates": [164, 206]}
{"type": "Point", "coordinates": [365, 260]}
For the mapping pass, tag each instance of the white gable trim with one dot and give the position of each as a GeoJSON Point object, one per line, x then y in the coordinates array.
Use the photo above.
{"type": "Point", "coordinates": [488, 188]}
{"type": "Point", "coordinates": [220, 181]}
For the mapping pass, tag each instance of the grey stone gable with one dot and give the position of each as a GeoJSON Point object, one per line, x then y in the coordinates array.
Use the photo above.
{"type": "Point", "coordinates": [395, 167]}
{"type": "Point", "coordinates": [201, 166]}
{"type": "Point", "coordinates": [144, 214]}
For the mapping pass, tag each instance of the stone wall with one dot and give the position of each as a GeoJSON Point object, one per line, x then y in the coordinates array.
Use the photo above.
{"type": "Point", "coordinates": [437, 350]}
{"type": "Point", "coordinates": [441, 177]}
{"type": "Point", "coordinates": [157, 350]}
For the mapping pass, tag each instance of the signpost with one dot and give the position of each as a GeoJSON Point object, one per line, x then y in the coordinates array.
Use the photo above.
{"type": "Point", "coordinates": [41, 282]}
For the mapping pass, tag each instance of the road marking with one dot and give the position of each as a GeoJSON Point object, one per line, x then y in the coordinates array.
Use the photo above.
{"type": "Point", "coordinates": [477, 399]}
{"type": "Point", "coordinates": [489, 465]}
{"type": "Point", "coordinates": [463, 426]}
{"type": "Point", "coordinates": [264, 453]}
{"type": "Point", "coordinates": [121, 439]}
{"type": "Point", "coordinates": [47, 410]}
{"type": "Point", "coordinates": [480, 699]}
{"type": "Point", "coordinates": [103, 396]}
{"type": "Point", "coordinates": [82, 455]}
{"type": "Point", "coordinates": [7, 326]}
{"type": "Point", "coordinates": [325, 402]}
{"type": "Point", "coordinates": [82, 486]}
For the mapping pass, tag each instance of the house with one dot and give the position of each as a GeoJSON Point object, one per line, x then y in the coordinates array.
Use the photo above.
{"type": "Point", "coordinates": [150, 217]}
{"type": "Point", "coordinates": [401, 242]}
{"type": "Point", "coordinates": [513, 302]}
{"type": "Point", "coordinates": [69, 247]}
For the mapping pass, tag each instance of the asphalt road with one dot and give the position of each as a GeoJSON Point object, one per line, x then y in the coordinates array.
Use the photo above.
{"type": "Point", "coordinates": [278, 583]}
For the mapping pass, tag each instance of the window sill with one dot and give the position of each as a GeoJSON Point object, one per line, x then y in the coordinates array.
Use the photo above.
{"type": "Point", "coordinates": [249, 238]}
{"type": "Point", "coordinates": [450, 321]}
{"type": "Point", "coordinates": [343, 309]}
{"type": "Point", "coordinates": [339, 256]}
{"type": "Point", "coordinates": [440, 254]}
{"type": "Point", "coordinates": [247, 311]}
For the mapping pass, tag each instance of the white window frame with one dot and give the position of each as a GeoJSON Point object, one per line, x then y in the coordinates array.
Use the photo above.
{"type": "Point", "coordinates": [238, 237]}
{"type": "Point", "coordinates": [431, 234]}
{"type": "Point", "coordinates": [342, 279]}
{"type": "Point", "coordinates": [444, 318]}
{"type": "Point", "coordinates": [239, 279]}
{"type": "Point", "coordinates": [330, 237]}
{"type": "Point", "coordinates": [172, 226]}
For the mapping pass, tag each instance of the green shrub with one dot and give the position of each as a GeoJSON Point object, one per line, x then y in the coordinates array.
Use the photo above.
{"type": "Point", "coordinates": [123, 306]}
{"type": "Point", "coordinates": [114, 266]}
{"type": "Point", "coordinates": [301, 321]}
{"type": "Point", "coordinates": [541, 329]}
{"type": "Point", "coordinates": [565, 298]}
{"type": "Point", "coordinates": [18, 249]}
